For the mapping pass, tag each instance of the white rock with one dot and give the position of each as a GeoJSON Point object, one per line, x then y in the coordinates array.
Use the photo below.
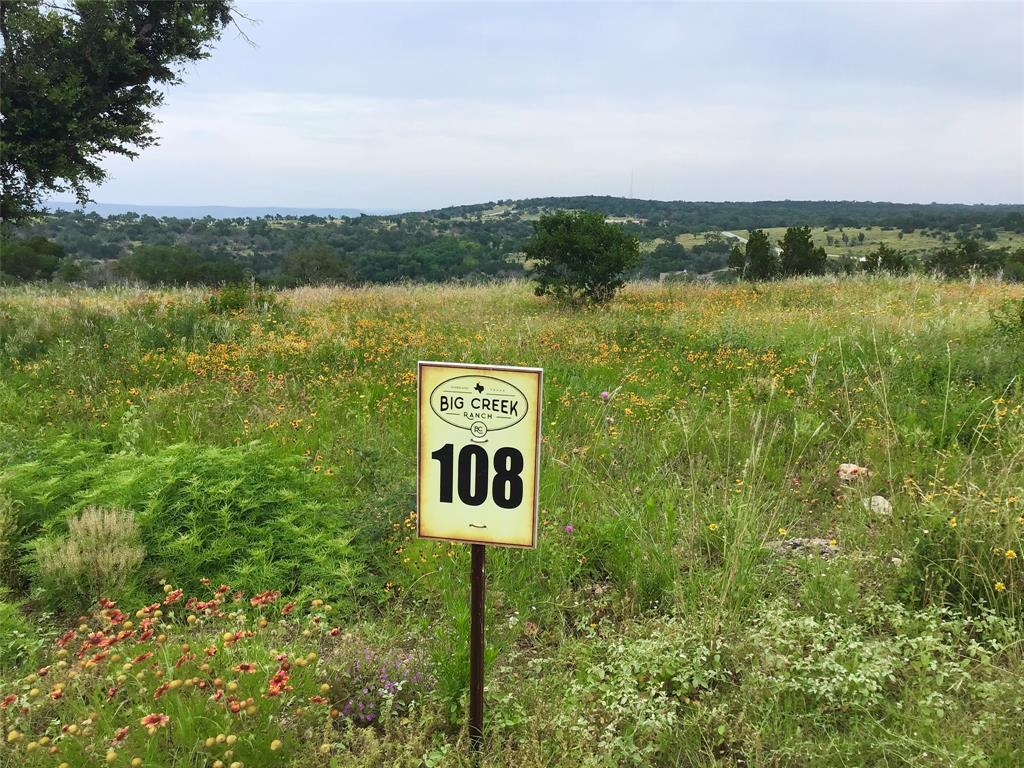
{"type": "Point", "coordinates": [879, 505]}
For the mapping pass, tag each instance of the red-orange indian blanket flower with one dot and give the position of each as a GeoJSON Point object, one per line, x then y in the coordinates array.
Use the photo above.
{"type": "Point", "coordinates": [157, 719]}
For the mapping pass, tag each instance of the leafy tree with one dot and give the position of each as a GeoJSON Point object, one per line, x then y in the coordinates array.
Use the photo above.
{"type": "Point", "coordinates": [799, 256]}
{"type": "Point", "coordinates": [579, 257]}
{"type": "Point", "coordinates": [887, 259]}
{"type": "Point", "coordinates": [738, 261]}
{"type": "Point", "coordinates": [161, 264]}
{"type": "Point", "coordinates": [1013, 268]}
{"type": "Point", "coordinates": [318, 263]}
{"type": "Point", "coordinates": [762, 263]}
{"type": "Point", "coordinates": [34, 258]}
{"type": "Point", "coordinates": [70, 271]}
{"type": "Point", "coordinates": [177, 265]}
{"type": "Point", "coordinates": [81, 80]}
{"type": "Point", "coordinates": [966, 256]}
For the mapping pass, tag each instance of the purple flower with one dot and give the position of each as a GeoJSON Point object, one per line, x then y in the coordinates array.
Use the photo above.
{"type": "Point", "coordinates": [377, 676]}
{"type": "Point", "coordinates": [569, 528]}
{"type": "Point", "coordinates": [606, 395]}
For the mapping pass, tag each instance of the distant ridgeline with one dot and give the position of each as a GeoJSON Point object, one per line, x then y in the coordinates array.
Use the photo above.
{"type": "Point", "coordinates": [483, 241]}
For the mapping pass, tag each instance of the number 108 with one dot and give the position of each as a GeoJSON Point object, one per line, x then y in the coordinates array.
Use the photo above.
{"type": "Point", "coordinates": [506, 489]}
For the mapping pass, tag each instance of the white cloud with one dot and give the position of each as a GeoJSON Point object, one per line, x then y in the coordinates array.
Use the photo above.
{"type": "Point", "coordinates": [314, 149]}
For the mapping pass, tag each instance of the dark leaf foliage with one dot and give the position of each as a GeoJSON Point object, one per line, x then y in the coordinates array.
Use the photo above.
{"type": "Point", "coordinates": [82, 80]}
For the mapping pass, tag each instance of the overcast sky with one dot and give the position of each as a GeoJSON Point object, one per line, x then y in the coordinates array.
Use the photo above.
{"type": "Point", "coordinates": [425, 105]}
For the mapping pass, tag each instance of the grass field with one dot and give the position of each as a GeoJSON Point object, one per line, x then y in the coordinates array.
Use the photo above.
{"type": "Point", "coordinates": [270, 447]}
{"type": "Point", "coordinates": [914, 242]}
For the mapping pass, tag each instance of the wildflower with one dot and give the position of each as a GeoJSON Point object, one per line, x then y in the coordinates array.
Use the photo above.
{"type": "Point", "coordinates": [264, 598]}
{"type": "Point", "coordinates": [278, 683]}
{"type": "Point", "coordinates": [712, 526]}
{"type": "Point", "coordinates": [156, 719]}
{"type": "Point", "coordinates": [120, 735]}
{"type": "Point", "coordinates": [782, 531]}
{"type": "Point", "coordinates": [63, 640]}
{"type": "Point", "coordinates": [1000, 587]}
{"type": "Point", "coordinates": [952, 522]}
{"type": "Point", "coordinates": [606, 396]}
{"type": "Point", "coordinates": [1010, 554]}
{"type": "Point", "coordinates": [275, 745]}
{"type": "Point", "coordinates": [569, 528]}
{"type": "Point", "coordinates": [245, 667]}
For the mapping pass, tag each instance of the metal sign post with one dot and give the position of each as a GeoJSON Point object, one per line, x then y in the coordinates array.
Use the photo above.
{"type": "Point", "coordinates": [477, 584]}
{"type": "Point", "coordinates": [478, 477]}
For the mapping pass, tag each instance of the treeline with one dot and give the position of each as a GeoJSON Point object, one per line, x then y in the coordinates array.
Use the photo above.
{"type": "Point", "coordinates": [796, 255]}
{"type": "Point", "coordinates": [476, 242]}
{"type": "Point", "coordinates": [666, 219]}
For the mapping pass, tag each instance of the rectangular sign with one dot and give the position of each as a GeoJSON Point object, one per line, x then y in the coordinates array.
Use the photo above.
{"type": "Point", "coordinates": [478, 453]}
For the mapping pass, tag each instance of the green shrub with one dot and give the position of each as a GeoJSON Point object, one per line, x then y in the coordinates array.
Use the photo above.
{"type": "Point", "coordinates": [578, 257]}
{"type": "Point", "coordinates": [628, 699]}
{"type": "Point", "coordinates": [245, 515]}
{"type": "Point", "coordinates": [9, 542]}
{"type": "Point", "coordinates": [1008, 322]}
{"type": "Point", "coordinates": [374, 680]}
{"type": "Point", "coordinates": [20, 639]}
{"type": "Point", "coordinates": [96, 558]}
{"type": "Point", "coordinates": [802, 672]}
{"type": "Point", "coordinates": [236, 297]}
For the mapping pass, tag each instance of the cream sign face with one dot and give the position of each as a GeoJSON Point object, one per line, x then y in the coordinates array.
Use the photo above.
{"type": "Point", "coordinates": [478, 448]}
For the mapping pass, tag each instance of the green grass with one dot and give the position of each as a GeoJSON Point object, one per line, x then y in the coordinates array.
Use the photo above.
{"type": "Point", "coordinates": [914, 242]}
{"type": "Point", "coordinates": [272, 447]}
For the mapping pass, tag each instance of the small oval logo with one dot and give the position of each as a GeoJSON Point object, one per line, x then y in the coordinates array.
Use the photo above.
{"type": "Point", "coordinates": [480, 404]}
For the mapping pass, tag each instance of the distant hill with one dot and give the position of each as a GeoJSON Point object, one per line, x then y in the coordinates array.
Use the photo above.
{"type": "Point", "coordinates": [215, 211]}
{"type": "Point", "coordinates": [487, 240]}
{"type": "Point", "coordinates": [699, 216]}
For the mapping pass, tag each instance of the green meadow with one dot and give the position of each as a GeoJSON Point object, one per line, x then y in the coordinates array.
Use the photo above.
{"type": "Point", "coordinates": [208, 552]}
{"type": "Point", "coordinates": [916, 242]}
